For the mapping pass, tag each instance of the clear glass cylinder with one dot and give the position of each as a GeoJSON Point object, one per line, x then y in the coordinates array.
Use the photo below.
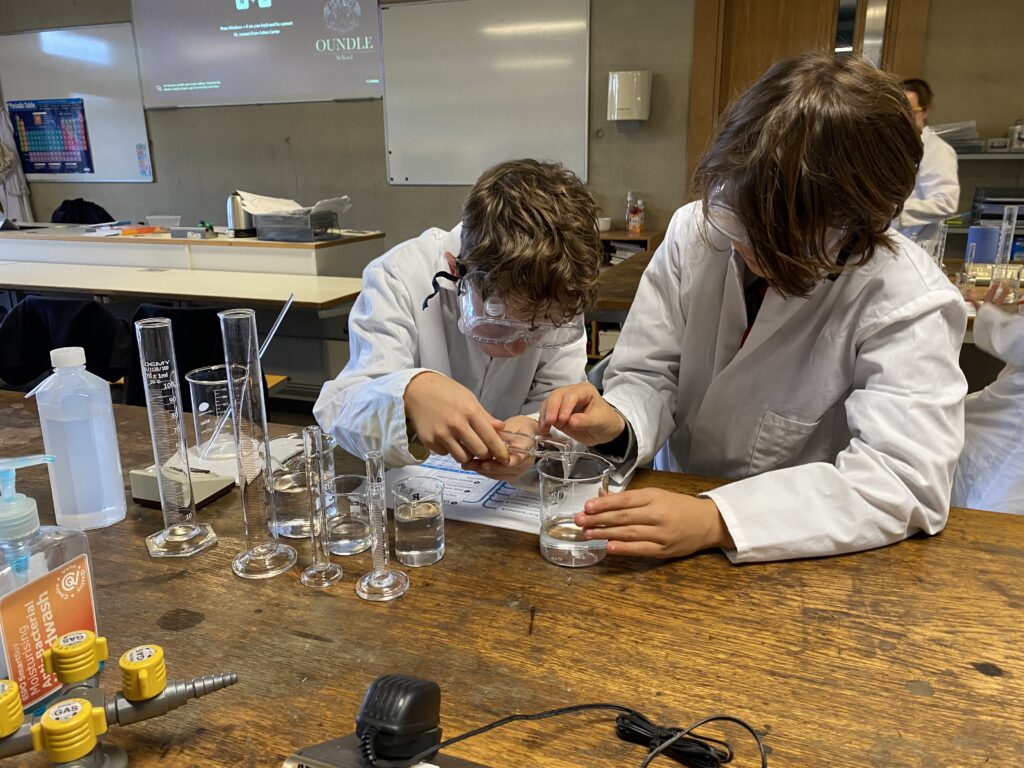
{"type": "Point", "coordinates": [382, 583]}
{"type": "Point", "coordinates": [264, 556]}
{"type": "Point", "coordinates": [567, 482]}
{"type": "Point", "coordinates": [322, 572]}
{"type": "Point", "coordinates": [182, 534]}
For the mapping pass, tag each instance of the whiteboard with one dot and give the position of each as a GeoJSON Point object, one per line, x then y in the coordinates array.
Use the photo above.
{"type": "Point", "coordinates": [95, 64]}
{"type": "Point", "coordinates": [470, 83]}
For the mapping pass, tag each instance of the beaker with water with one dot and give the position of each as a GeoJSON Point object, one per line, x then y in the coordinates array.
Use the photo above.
{"type": "Point", "coordinates": [210, 402]}
{"type": "Point", "coordinates": [182, 534]}
{"type": "Point", "coordinates": [264, 555]}
{"type": "Point", "coordinates": [567, 482]}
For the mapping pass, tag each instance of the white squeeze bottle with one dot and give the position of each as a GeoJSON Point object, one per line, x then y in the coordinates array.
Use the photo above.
{"type": "Point", "coordinates": [77, 419]}
{"type": "Point", "coordinates": [45, 586]}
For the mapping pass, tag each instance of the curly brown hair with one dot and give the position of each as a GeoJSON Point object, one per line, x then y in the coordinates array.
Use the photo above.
{"type": "Point", "coordinates": [531, 229]}
{"type": "Point", "coordinates": [819, 148]}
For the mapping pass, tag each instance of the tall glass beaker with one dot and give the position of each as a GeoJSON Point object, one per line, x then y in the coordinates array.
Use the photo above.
{"type": "Point", "coordinates": [264, 556]}
{"type": "Point", "coordinates": [182, 535]}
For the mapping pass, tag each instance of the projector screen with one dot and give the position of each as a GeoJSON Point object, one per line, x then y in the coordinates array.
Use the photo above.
{"type": "Point", "coordinates": [195, 53]}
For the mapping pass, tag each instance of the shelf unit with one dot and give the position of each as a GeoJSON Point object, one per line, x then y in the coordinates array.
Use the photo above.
{"type": "Point", "coordinates": [991, 156]}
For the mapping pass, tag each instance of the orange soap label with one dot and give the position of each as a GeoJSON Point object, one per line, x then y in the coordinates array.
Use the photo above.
{"type": "Point", "coordinates": [33, 616]}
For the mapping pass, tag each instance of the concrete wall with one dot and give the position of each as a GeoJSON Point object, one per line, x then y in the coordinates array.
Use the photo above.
{"type": "Point", "coordinates": [972, 62]}
{"type": "Point", "coordinates": [316, 150]}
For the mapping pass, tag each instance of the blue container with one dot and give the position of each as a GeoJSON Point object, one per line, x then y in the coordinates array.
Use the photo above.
{"type": "Point", "coordinates": [986, 243]}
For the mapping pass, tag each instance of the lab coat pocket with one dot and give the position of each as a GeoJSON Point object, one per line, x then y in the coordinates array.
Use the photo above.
{"type": "Point", "coordinates": [778, 443]}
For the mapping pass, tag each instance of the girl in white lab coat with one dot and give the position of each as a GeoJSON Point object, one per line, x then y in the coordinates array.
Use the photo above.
{"type": "Point", "coordinates": [786, 338]}
{"type": "Point", "coordinates": [990, 474]}
{"type": "Point", "coordinates": [459, 333]}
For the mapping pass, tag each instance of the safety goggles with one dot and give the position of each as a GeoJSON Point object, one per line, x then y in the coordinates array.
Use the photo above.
{"type": "Point", "coordinates": [486, 321]}
{"type": "Point", "coordinates": [723, 219]}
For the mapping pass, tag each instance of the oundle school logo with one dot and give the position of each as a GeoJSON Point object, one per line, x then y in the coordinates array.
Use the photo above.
{"type": "Point", "coordinates": [342, 16]}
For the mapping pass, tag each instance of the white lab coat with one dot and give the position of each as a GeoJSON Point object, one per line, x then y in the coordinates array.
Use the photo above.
{"type": "Point", "coordinates": [936, 192]}
{"type": "Point", "coordinates": [990, 474]}
{"type": "Point", "coordinates": [392, 339]}
{"type": "Point", "coordinates": [840, 418]}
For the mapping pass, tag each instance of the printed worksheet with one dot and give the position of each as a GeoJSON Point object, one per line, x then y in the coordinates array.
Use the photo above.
{"type": "Point", "coordinates": [474, 498]}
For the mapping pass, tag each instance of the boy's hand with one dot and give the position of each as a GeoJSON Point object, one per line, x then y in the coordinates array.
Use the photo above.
{"type": "Point", "coordinates": [580, 412]}
{"type": "Point", "coordinates": [448, 419]}
{"type": "Point", "coordinates": [654, 523]}
{"type": "Point", "coordinates": [517, 462]}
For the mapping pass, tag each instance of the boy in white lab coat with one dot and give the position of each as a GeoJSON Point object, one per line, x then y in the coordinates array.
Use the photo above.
{"type": "Point", "coordinates": [937, 185]}
{"type": "Point", "coordinates": [458, 334]}
{"type": "Point", "coordinates": [990, 474]}
{"type": "Point", "coordinates": [786, 338]}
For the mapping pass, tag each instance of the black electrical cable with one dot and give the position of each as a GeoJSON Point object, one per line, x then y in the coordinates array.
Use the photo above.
{"type": "Point", "coordinates": [697, 747]}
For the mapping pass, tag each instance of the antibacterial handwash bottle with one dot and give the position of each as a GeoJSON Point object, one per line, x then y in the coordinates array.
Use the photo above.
{"type": "Point", "coordinates": [45, 586]}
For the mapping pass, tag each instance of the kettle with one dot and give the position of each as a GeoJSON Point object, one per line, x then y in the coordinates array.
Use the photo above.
{"type": "Point", "coordinates": [240, 222]}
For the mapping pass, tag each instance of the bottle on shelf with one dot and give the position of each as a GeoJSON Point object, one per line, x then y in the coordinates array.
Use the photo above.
{"type": "Point", "coordinates": [630, 204]}
{"type": "Point", "coordinates": [77, 420]}
{"type": "Point", "coordinates": [635, 223]}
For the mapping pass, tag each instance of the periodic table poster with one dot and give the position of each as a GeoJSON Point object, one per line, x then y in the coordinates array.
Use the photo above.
{"type": "Point", "coordinates": [51, 135]}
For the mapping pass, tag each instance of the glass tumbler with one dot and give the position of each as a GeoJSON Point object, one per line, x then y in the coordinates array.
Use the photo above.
{"type": "Point", "coordinates": [348, 530]}
{"type": "Point", "coordinates": [419, 520]}
{"type": "Point", "coordinates": [566, 483]}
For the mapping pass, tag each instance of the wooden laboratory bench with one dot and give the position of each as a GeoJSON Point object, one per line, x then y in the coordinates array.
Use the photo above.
{"type": "Point", "coordinates": [650, 239]}
{"type": "Point", "coordinates": [69, 245]}
{"type": "Point", "coordinates": [911, 655]}
{"type": "Point", "coordinates": [617, 285]}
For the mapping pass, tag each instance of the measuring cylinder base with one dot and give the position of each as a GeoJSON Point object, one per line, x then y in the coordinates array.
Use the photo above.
{"type": "Point", "coordinates": [382, 587]}
{"type": "Point", "coordinates": [181, 540]}
{"type": "Point", "coordinates": [264, 561]}
{"type": "Point", "coordinates": [318, 578]}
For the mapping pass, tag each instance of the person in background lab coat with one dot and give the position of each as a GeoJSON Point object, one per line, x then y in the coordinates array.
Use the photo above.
{"type": "Point", "coordinates": [785, 337]}
{"type": "Point", "coordinates": [937, 187]}
{"type": "Point", "coordinates": [990, 474]}
{"type": "Point", "coordinates": [459, 333]}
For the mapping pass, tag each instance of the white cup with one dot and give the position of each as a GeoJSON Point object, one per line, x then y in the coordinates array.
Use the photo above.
{"type": "Point", "coordinates": [604, 224]}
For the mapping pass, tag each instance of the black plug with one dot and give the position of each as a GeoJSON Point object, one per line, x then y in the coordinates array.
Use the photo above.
{"type": "Point", "coordinates": [400, 717]}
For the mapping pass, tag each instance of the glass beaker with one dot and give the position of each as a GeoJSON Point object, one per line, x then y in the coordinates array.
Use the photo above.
{"type": "Point", "coordinates": [293, 523]}
{"type": "Point", "coordinates": [348, 532]}
{"type": "Point", "coordinates": [211, 404]}
{"type": "Point", "coordinates": [419, 520]}
{"type": "Point", "coordinates": [264, 556]}
{"type": "Point", "coordinates": [1009, 276]}
{"type": "Point", "coordinates": [566, 483]}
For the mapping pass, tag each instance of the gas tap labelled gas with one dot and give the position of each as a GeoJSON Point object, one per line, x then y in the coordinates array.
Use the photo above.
{"type": "Point", "coordinates": [68, 731]}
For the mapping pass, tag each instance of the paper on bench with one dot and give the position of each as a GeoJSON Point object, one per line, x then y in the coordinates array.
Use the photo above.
{"type": "Point", "coordinates": [474, 498]}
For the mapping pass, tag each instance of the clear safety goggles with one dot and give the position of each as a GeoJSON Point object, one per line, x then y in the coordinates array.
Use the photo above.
{"type": "Point", "coordinates": [486, 321]}
{"type": "Point", "coordinates": [721, 217]}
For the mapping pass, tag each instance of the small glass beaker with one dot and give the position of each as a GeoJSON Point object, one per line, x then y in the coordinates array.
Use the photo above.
{"type": "Point", "coordinates": [1009, 276]}
{"type": "Point", "coordinates": [566, 483]}
{"type": "Point", "coordinates": [348, 531]}
{"type": "Point", "coordinates": [211, 403]}
{"type": "Point", "coordinates": [292, 522]}
{"type": "Point", "coordinates": [419, 520]}
{"type": "Point", "coordinates": [291, 496]}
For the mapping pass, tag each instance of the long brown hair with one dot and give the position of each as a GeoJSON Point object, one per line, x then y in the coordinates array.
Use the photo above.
{"type": "Point", "coordinates": [531, 229]}
{"type": "Point", "coordinates": [820, 153]}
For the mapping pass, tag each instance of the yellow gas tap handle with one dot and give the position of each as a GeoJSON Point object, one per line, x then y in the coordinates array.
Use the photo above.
{"type": "Point", "coordinates": [76, 656]}
{"type": "Point", "coordinates": [68, 730]}
{"type": "Point", "coordinates": [143, 674]}
{"type": "Point", "coordinates": [11, 714]}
